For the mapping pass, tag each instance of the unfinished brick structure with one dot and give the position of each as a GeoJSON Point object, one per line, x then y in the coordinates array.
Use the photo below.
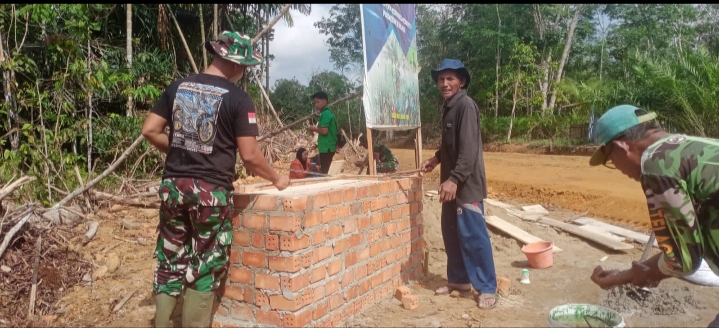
{"type": "Point", "coordinates": [318, 253]}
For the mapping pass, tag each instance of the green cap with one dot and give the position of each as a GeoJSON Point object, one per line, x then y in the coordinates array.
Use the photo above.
{"type": "Point", "coordinates": [614, 122]}
{"type": "Point", "coordinates": [235, 47]}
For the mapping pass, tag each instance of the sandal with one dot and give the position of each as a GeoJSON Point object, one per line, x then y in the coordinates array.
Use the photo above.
{"type": "Point", "coordinates": [484, 297]}
{"type": "Point", "coordinates": [446, 290]}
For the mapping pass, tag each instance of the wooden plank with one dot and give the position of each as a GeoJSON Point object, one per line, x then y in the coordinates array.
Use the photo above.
{"type": "Point", "coordinates": [515, 232]}
{"type": "Point", "coordinates": [526, 216]}
{"type": "Point", "coordinates": [602, 232]}
{"type": "Point", "coordinates": [498, 203]}
{"type": "Point", "coordinates": [593, 236]}
{"type": "Point", "coordinates": [370, 153]}
{"type": "Point", "coordinates": [336, 167]}
{"type": "Point", "coordinates": [619, 231]}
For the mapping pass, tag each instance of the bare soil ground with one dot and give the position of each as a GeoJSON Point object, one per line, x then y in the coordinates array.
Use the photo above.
{"type": "Point", "coordinates": [563, 184]}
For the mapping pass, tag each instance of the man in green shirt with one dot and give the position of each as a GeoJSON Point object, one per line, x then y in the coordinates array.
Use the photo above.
{"type": "Point", "coordinates": [386, 161]}
{"type": "Point", "coordinates": [327, 130]}
{"type": "Point", "coordinates": [680, 178]}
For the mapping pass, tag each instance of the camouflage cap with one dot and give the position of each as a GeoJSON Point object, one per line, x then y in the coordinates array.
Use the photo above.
{"type": "Point", "coordinates": [235, 47]}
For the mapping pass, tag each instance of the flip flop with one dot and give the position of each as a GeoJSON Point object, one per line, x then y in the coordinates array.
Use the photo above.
{"type": "Point", "coordinates": [485, 297]}
{"type": "Point", "coordinates": [446, 290]}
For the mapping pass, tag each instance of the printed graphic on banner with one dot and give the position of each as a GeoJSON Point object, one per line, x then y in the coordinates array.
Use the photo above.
{"type": "Point", "coordinates": [391, 89]}
{"type": "Point", "coordinates": [194, 116]}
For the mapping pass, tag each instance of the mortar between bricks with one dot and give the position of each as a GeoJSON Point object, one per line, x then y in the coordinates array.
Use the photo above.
{"type": "Point", "coordinates": [318, 254]}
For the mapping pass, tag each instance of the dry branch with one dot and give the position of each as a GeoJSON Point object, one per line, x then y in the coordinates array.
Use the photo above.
{"type": "Point", "coordinates": [8, 237]}
{"type": "Point", "coordinates": [123, 301]}
{"type": "Point", "coordinates": [274, 21]}
{"type": "Point", "coordinates": [123, 200]}
{"type": "Point", "coordinates": [8, 189]}
{"type": "Point", "coordinates": [104, 174]}
{"type": "Point", "coordinates": [33, 292]}
{"type": "Point", "coordinates": [91, 231]}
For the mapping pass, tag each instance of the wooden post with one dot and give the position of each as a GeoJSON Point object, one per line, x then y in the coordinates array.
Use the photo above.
{"type": "Point", "coordinates": [418, 148]}
{"type": "Point", "coordinates": [370, 153]}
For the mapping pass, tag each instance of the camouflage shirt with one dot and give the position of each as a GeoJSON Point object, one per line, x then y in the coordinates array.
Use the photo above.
{"type": "Point", "coordinates": [680, 177]}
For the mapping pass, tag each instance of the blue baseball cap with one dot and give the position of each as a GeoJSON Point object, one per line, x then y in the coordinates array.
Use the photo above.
{"type": "Point", "coordinates": [613, 123]}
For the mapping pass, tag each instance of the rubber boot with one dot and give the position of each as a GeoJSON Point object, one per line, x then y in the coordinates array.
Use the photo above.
{"type": "Point", "coordinates": [197, 310]}
{"type": "Point", "coordinates": [164, 306]}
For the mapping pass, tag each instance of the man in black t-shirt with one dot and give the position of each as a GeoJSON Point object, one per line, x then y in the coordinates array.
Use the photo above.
{"type": "Point", "coordinates": [210, 119]}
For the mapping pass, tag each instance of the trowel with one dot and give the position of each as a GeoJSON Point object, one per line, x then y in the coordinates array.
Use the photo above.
{"type": "Point", "coordinates": [647, 249]}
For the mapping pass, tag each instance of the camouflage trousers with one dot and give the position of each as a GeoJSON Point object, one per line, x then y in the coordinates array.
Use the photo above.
{"type": "Point", "coordinates": [387, 167]}
{"type": "Point", "coordinates": [195, 234]}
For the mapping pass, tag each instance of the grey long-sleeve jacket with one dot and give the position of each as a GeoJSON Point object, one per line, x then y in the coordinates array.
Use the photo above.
{"type": "Point", "coordinates": [460, 155]}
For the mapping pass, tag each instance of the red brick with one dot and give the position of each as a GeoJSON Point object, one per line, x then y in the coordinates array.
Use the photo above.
{"type": "Point", "coordinates": [363, 223]}
{"type": "Point", "coordinates": [376, 279]}
{"type": "Point", "coordinates": [375, 249]}
{"type": "Point", "coordinates": [292, 243]}
{"type": "Point", "coordinates": [318, 293]}
{"type": "Point", "coordinates": [401, 199]}
{"type": "Point", "coordinates": [295, 283]}
{"type": "Point", "coordinates": [357, 239]}
{"type": "Point", "coordinates": [298, 319]}
{"type": "Point", "coordinates": [343, 212]}
{"type": "Point", "coordinates": [233, 292]}
{"type": "Point", "coordinates": [263, 281]}
{"type": "Point", "coordinates": [258, 240]}
{"type": "Point", "coordinates": [307, 297]}
{"type": "Point", "coordinates": [334, 267]}
{"type": "Point", "coordinates": [241, 202]}
{"type": "Point", "coordinates": [406, 210]}
{"type": "Point", "coordinates": [240, 275]}
{"type": "Point", "coordinates": [253, 221]}
{"type": "Point", "coordinates": [321, 310]}
{"type": "Point", "coordinates": [279, 302]}
{"type": "Point", "coordinates": [387, 216]}
{"type": "Point", "coordinates": [404, 184]}
{"type": "Point", "coordinates": [241, 238]}
{"type": "Point", "coordinates": [235, 256]}
{"type": "Point", "coordinates": [285, 264]}
{"type": "Point", "coordinates": [321, 253]}
{"type": "Point", "coordinates": [379, 203]}
{"type": "Point", "coordinates": [340, 246]}
{"type": "Point", "coordinates": [385, 187]}
{"type": "Point", "coordinates": [391, 201]}
{"type": "Point", "coordinates": [313, 219]}
{"type": "Point", "coordinates": [289, 223]}
{"type": "Point", "coordinates": [350, 226]}
{"type": "Point", "coordinates": [410, 302]}
{"type": "Point", "coordinates": [336, 196]}
{"type": "Point", "coordinates": [262, 299]}
{"type": "Point", "coordinates": [366, 206]}
{"type": "Point", "coordinates": [321, 200]}
{"type": "Point", "coordinates": [335, 231]}
{"type": "Point", "coordinates": [332, 286]}
{"type": "Point", "coordinates": [269, 317]}
{"type": "Point", "coordinates": [374, 190]}
{"type": "Point", "coordinates": [361, 272]}
{"type": "Point", "coordinates": [350, 259]}
{"type": "Point", "coordinates": [242, 312]}
{"type": "Point", "coordinates": [272, 242]}
{"type": "Point", "coordinates": [329, 214]}
{"type": "Point", "coordinates": [362, 192]}
{"type": "Point", "coordinates": [265, 203]}
{"type": "Point", "coordinates": [376, 219]}
{"type": "Point", "coordinates": [386, 244]}
{"type": "Point", "coordinates": [236, 220]}
{"type": "Point", "coordinates": [336, 300]}
{"type": "Point", "coordinates": [319, 236]}
{"type": "Point", "coordinates": [414, 208]}
{"type": "Point", "coordinates": [348, 278]}
{"type": "Point", "coordinates": [307, 260]}
{"type": "Point", "coordinates": [318, 274]}
{"type": "Point", "coordinates": [253, 259]}
{"type": "Point", "coordinates": [349, 195]}
{"type": "Point", "coordinates": [363, 254]}
{"type": "Point", "coordinates": [295, 204]}
{"type": "Point", "coordinates": [356, 209]}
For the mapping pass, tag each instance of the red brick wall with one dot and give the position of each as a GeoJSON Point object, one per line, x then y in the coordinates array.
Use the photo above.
{"type": "Point", "coordinates": [317, 260]}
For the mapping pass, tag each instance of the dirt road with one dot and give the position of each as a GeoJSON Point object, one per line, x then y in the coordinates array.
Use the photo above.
{"type": "Point", "coordinates": [554, 180]}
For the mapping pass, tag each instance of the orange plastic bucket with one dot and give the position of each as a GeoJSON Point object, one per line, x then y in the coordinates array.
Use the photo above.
{"type": "Point", "coordinates": [539, 254]}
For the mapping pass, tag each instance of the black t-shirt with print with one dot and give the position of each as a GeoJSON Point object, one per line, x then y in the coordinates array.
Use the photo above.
{"type": "Point", "coordinates": [206, 114]}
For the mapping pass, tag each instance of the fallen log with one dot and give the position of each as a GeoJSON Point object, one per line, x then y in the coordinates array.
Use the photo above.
{"type": "Point", "coordinates": [8, 189]}
{"type": "Point", "coordinates": [8, 237]}
{"type": "Point", "coordinates": [123, 200]}
{"type": "Point", "coordinates": [91, 231]}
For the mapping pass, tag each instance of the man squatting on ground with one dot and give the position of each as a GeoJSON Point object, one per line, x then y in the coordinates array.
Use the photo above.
{"type": "Point", "coordinates": [463, 189]}
{"type": "Point", "coordinates": [680, 178]}
{"type": "Point", "coordinates": [327, 130]}
{"type": "Point", "coordinates": [210, 119]}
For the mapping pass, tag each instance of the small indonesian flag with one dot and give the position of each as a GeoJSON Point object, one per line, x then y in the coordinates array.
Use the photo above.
{"type": "Point", "coordinates": [252, 118]}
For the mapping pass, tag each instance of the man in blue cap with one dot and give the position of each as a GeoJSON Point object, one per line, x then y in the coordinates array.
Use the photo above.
{"type": "Point", "coordinates": [680, 178]}
{"type": "Point", "coordinates": [463, 189]}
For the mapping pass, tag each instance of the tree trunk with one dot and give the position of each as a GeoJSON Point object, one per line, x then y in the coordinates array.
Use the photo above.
{"type": "Point", "coordinates": [182, 38]}
{"type": "Point", "coordinates": [89, 107]}
{"type": "Point", "coordinates": [565, 53]}
{"type": "Point", "coordinates": [202, 37]}
{"type": "Point", "coordinates": [9, 98]}
{"type": "Point", "coordinates": [496, 68]}
{"type": "Point", "coordinates": [128, 50]}
{"type": "Point", "coordinates": [514, 104]}
{"type": "Point", "coordinates": [215, 23]}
